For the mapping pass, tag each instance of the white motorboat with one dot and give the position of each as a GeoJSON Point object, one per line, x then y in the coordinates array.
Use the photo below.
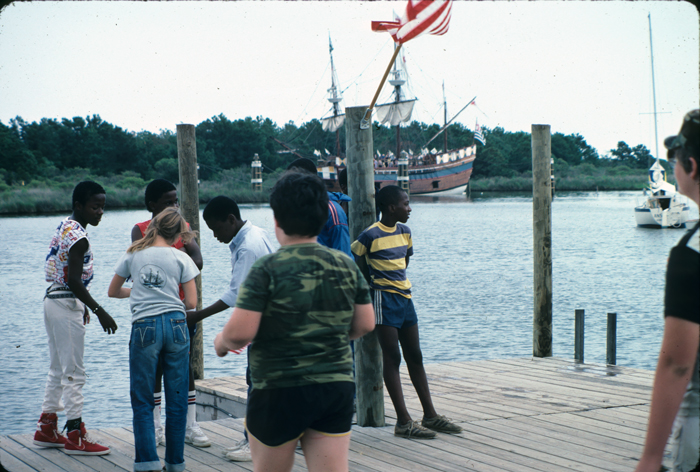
{"type": "Point", "coordinates": [662, 206]}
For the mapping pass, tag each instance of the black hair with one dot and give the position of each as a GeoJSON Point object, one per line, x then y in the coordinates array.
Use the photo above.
{"type": "Point", "coordinates": [389, 195]}
{"type": "Point", "coordinates": [219, 208]}
{"type": "Point", "coordinates": [343, 178]}
{"type": "Point", "coordinates": [157, 189]}
{"type": "Point", "coordinates": [299, 202]}
{"type": "Point", "coordinates": [84, 190]}
{"type": "Point", "coordinates": [303, 164]}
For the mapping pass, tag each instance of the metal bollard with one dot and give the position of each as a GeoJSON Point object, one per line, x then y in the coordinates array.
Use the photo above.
{"type": "Point", "coordinates": [611, 358]}
{"type": "Point", "coordinates": [578, 336]}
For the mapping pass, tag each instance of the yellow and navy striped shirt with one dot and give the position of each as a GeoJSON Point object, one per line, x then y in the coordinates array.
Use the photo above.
{"type": "Point", "coordinates": [385, 250]}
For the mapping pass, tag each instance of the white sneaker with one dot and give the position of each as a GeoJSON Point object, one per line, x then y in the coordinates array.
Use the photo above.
{"type": "Point", "coordinates": [241, 454]}
{"type": "Point", "coordinates": [195, 436]}
{"type": "Point", "coordinates": [237, 445]}
{"type": "Point", "coordinates": [160, 437]}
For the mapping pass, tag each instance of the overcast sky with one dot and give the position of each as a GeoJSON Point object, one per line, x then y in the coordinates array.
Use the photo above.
{"type": "Point", "coordinates": [581, 67]}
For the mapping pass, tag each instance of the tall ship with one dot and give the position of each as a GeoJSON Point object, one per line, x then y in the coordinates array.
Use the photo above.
{"type": "Point", "coordinates": [429, 171]}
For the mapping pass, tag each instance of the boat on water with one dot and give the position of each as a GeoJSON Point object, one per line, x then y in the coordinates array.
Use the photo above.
{"type": "Point", "coordinates": [662, 206]}
{"type": "Point", "coordinates": [429, 171]}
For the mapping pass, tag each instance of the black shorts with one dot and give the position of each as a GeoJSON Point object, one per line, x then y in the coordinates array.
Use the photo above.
{"type": "Point", "coordinates": [278, 415]}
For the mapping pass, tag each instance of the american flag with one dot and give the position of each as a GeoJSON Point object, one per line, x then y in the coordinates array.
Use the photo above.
{"type": "Point", "coordinates": [478, 135]}
{"type": "Point", "coordinates": [422, 16]}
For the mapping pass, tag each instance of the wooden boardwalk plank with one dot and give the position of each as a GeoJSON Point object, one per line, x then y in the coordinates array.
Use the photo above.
{"type": "Point", "coordinates": [519, 415]}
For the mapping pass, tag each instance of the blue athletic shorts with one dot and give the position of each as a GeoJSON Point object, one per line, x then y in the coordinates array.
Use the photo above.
{"type": "Point", "coordinates": [392, 309]}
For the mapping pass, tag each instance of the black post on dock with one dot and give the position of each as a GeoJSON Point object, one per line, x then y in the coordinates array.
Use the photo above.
{"type": "Point", "coordinates": [189, 207]}
{"type": "Point", "coordinates": [542, 240]}
{"type": "Point", "coordinates": [578, 335]}
{"type": "Point", "coordinates": [368, 353]}
{"type": "Point", "coordinates": [611, 347]}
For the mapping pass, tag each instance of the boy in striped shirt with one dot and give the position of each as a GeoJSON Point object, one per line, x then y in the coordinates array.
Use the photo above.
{"type": "Point", "coordinates": [382, 252]}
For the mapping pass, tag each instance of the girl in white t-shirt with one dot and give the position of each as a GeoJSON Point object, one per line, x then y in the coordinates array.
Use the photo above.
{"type": "Point", "coordinates": [158, 334]}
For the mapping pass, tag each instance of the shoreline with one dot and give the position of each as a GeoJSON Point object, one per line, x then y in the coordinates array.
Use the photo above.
{"type": "Point", "coordinates": [40, 200]}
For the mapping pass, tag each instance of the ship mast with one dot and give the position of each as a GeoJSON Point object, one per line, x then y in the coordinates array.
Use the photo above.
{"type": "Point", "coordinates": [398, 79]}
{"type": "Point", "coordinates": [444, 101]}
{"type": "Point", "coordinates": [653, 88]}
{"type": "Point", "coordinates": [334, 96]}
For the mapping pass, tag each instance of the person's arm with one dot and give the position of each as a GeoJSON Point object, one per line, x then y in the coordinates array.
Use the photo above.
{"type": "Point", "coordinates": [244, 260]}
{"type": "Point", "coordinates": [673, 372]}
{"type": "Point", "coordinates": [238, 332]}
{"type": "Point", "coordinates": [361, 262]}
{"type": "Point", "coordinates": [362, 321]}
{"type": "Point", "coordinates": [190, 289]}
{"type": "Point", "coordinates": [136, 234]}
{"type": "Point", "coordinates": [192, 250]}
{"type": "Point", "coordinates": [194, 317]}
{"type": "Point", "coordinates": [408, 258]}
{"type": "Point", "coordinates": [116, 289]}
{"type": "Point", "coordinates": [75, 283]}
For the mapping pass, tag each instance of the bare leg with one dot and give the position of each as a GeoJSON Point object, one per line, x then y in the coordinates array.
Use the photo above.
{"type": "Point", "coordinates": [410, 345]}
{"type": "Point", "coordinates": [325, 453]}
{"type": "Point", "coordinates": [391, 356]}
{"type": "Point", "coordinates": [268, 459]}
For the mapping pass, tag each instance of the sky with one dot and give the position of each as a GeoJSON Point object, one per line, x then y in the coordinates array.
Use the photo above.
{"type": "Point", "coordinates": [580, 67]}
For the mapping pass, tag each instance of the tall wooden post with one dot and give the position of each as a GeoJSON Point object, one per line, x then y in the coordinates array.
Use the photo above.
{"type": "Point", "coordinates": [542, 240]}
{"type": "Point", "coordinates": [189, 207]}
{"type": "Point", "coordinates": [368, 353]}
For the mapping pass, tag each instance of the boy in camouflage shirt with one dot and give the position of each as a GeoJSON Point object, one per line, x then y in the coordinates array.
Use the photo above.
{"type": "Point", "coordinates": [300, 307]}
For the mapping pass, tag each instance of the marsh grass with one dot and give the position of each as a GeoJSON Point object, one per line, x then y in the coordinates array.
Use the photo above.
{"type": "Point", "coordinates": [123, 191]}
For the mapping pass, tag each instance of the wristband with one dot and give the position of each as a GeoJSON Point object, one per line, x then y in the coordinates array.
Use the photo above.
{"type": "Point", "coordinates": [95, 310]}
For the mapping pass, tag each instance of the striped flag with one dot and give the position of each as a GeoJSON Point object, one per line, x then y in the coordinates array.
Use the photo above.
{"type": "Point", "coordinates": [422, 16]}
{"type": "Point", "coordinates": [478, 135]}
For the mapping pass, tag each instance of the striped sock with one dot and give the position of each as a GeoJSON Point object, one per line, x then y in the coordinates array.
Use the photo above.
{"type": "Point", "coordinates": [191, 407]}
{"type": "Point", "coordinates": [156, 410]}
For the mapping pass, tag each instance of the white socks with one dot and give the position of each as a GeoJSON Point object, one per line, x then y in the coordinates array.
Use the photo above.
{"type": "Point", "coordinates": [156, 411]}
{"type": "Point", "coordinates": [191, 408]}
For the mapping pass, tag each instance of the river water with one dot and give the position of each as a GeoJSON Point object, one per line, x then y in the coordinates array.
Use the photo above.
{"type": "Point", "coordinates": [472, 285]}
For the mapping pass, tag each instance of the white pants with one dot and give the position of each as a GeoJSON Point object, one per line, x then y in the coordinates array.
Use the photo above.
{"type": "Point", "coordinates": [63, 318]}
{"type": "Point", "coordinates": [685, 443]}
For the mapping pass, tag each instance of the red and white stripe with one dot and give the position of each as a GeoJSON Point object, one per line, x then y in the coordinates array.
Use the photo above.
{"type": "Point", "coordinates": [422, 16]}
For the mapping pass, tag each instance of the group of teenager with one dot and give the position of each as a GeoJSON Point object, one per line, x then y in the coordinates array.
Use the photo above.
{"type": "Point", "coordinates": [297, 310]}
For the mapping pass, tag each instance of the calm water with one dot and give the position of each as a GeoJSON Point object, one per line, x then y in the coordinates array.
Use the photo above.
{"type": "Point", "coordinates": [471, 272]}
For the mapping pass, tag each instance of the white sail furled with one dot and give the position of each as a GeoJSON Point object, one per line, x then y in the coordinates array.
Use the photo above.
{"type": "Point", "coordinates": [657, 174]}
{"type": "Point", "coordinates": [395, 113]}
{"type": "Point", "coordinates": [332, 123]}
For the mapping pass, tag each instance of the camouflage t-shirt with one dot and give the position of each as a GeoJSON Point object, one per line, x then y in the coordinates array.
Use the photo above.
{"type": "Point", "coordinates": [306, 294]}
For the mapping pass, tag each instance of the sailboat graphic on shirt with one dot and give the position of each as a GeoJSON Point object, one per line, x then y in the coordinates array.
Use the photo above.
{"type": "Point", "coordinates": [152, 278]}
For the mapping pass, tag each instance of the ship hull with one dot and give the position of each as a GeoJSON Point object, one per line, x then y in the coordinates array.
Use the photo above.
{"type": "Point", "coordinates": [451, 171]}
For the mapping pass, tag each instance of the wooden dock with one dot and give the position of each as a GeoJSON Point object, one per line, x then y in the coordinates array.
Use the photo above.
{"type": "Point", "coordinates": [518, 415]}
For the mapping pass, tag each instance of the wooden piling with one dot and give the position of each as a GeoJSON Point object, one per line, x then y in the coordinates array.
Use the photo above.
{"type": "Point", "coordinates": [368, 353]}
{"type": "Point", "coordinates": [542, 240]}
{"type": "Point", "coordinates": [611, 344]}
{"type": "Point", "coordinates": [189, 207]}
{"type": "Point", "coordinates": [578, 335]}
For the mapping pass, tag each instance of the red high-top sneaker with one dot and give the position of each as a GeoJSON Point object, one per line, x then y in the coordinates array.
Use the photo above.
{"type": "Point", "coordinates": [79, 443]}
{"type": "Point", "coordinates": [47, 432]}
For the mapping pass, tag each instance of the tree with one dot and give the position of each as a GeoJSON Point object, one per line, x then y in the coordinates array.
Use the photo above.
{"type": "Point", "coordinates": [638, 157]}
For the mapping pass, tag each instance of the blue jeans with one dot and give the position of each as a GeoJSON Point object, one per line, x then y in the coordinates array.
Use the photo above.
{"type": "Point", "coordinates": [161, 338]}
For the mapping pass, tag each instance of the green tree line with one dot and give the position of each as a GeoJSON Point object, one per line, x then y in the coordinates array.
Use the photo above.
{"type": "Point", "coordinates": [50, 148]}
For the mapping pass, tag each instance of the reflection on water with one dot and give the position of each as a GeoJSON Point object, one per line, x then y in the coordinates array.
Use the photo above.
{"type": "Point", "coordinates": [471, 272]}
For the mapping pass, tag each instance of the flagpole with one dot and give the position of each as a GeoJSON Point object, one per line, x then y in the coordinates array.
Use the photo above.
{"type": "Point", "coordinates": [364, 123]}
